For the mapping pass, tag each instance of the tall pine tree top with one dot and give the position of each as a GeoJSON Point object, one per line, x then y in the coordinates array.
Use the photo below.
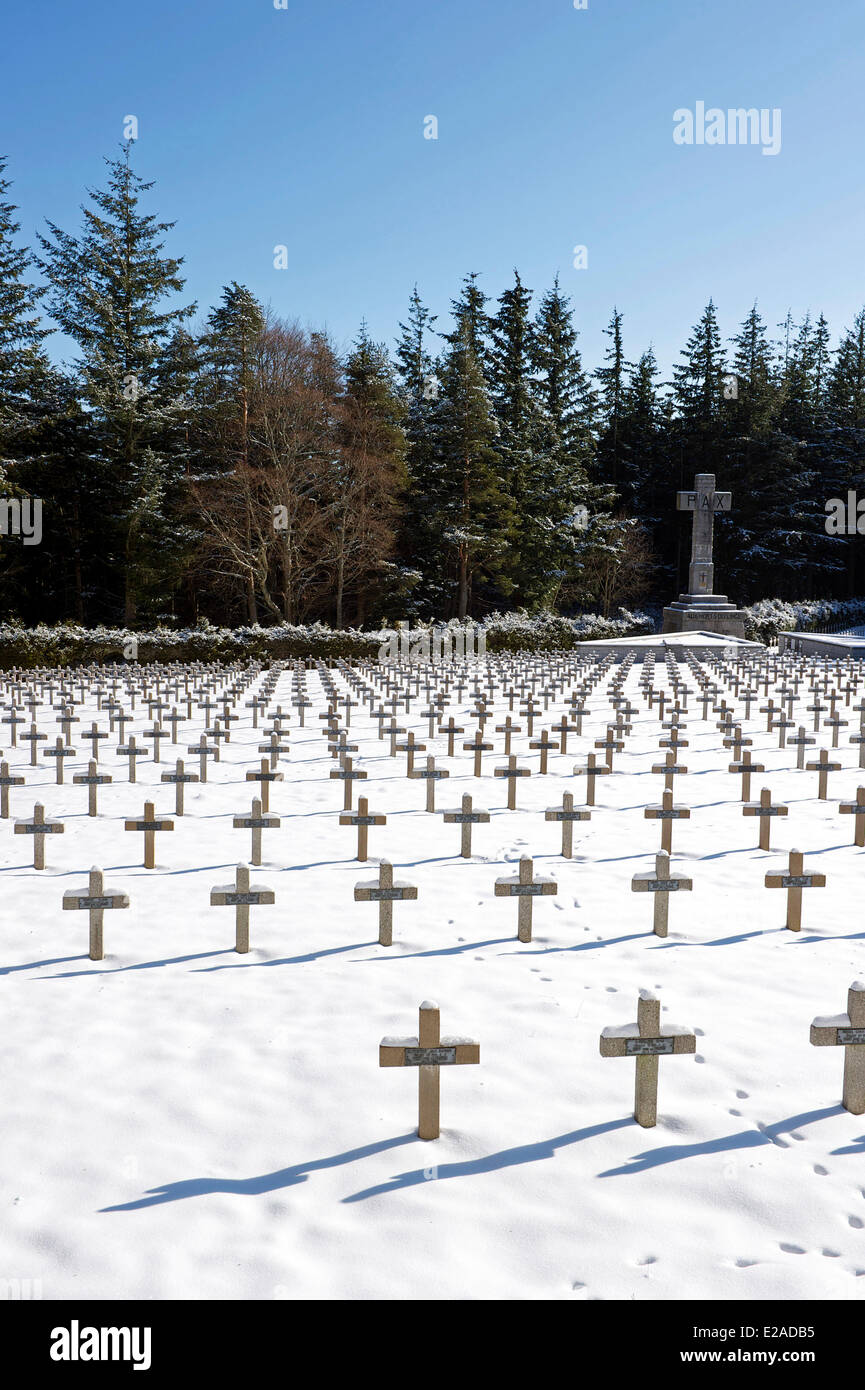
{"type": "Point", "coordinates": [108, 286]}
{"type": "Point", "coordinates": [22, 364]}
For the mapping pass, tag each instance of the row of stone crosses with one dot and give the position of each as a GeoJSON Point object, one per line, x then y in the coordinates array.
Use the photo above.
{"type": "Point", "coordinates": [645, 1040]}
{"type": "Point", "coordinates": [527, 681]}
{"type": "Point", "coordinates": [531, 682]}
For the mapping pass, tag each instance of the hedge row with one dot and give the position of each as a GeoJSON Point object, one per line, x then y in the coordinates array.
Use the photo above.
{"type": "Point", "coordinates": [67, 644]}
{"type": "Point", "coordinates": [70, 645]}
{"type": "Point", "coordinates": [773, 615]}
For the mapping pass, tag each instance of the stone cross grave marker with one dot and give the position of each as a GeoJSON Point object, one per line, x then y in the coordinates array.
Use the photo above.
{"type": "Point", "coordinates": [746, 767]}
{"type": "Point", "coordinates": [348, 775]}
{"type": "Point", "coordinates": [39, 827]}
{"type": "Point", "coordinates": [150, 827]}
{"type": "Point", "coordinates": [666, 813]}
{"type": "Point", "coordinates": [765, 811]}
{"type": "Point", "coordinates": [242, 895]}
{"type": "Point", "coordinates": [854, 808]}
{"type": "Point", "coordinates": [646, 1041]}
{"type": "Point", "coordinates": [34, 738]}
{"type": "Point", "coordinates": [363, 819]}
{"type": "Point", "coordinates": [466, 818]}
{"type": "Point", "coordinates": [131, 751]}
{"type": "Point", "coordinates": [567, 815]}
{"type": "Point", "coordinates": [591, 771]}
{"type": "Point", "coordinates": [93, 735]}
{"type": "Point", "coordinates": [7, 780]}
{"type": "Point", "coordinates": [179, 777]}
{"type": "Point", "coordinates": [385, 892]}
{"type": "Point", "coordinates": [274, 747]}
{"type": "Point", "coordinates": [264, 776]}
{"type": "Point", "coordinates": [525, 888]}
{"type": "Point", "coordinates": [661, 883]}
{"type": "Point", "coordinates": [430, 774]}
{"type": "Point", "coordinates": [451, 729]}
{"type": "Point", "coordinates": [429, 1051]}
{"type": "Point", "coordinates": [478, 747]}
{"type": "Point", "coordinates": [97, 899]}
{"type": "Point", "coordinates": [59, 752]}
{"type": "Point", "coordinates": [670, 768]}
{"type": "Point", "coordinates": [847, 1031]}
{"type": "Point", "coordinates": [823, 766]}
{"type": "Point", "coordinates": [512, 772]}
{"type": "Point", "coordinates": [257, 821]}
{"type": "Point", "coordinates": [92, 779]}
{"type": "Point", "coordinates": [546, 746]}
{"type": "Point", "coordinates": [794, 880]}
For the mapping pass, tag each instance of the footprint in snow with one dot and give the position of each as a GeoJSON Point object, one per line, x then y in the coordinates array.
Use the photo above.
{"type": "Point", "coordinates": [831, 1254]}
{"type": "Point", "coordinates": [820, 1170]}
{"type": "Point", "coordinates": [648, 1260]}
{"type": "Point", "coordinates": [611, 989]}
{"type": "Point", "coordinates": [856, 1222]}
{"type": "Point", "coordinates": [746, 1264]}
{"type": "Point", "coordinates": [791, 1249]}
{"type": "Point", "coordinates": [741, 1095]}
{"type": "Point", "coordinates": [698, 1057]}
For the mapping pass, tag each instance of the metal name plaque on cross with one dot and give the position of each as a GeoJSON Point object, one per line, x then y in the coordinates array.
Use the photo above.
{"type": "Point", "coordinates": [430, 1056]}
{"type": "Point", "coordinates": [364, 820]}
{"type": "Point", "coordinates": [796, 881]}
{"type": "Point", "coordinates": [384, 895]}
{"type": "Point", "coordinates": [95, 902]}
{"type": "Point", "coordinates": [663, 885]}
{"type": "Point", "coordinates": [851, 1037]}
{"type": "Point", "coordinates": [243, 900]}
{"type": "Point", "coordinates": [652, 1047]}
{"type": "Point", "coordinates": [527, 890]}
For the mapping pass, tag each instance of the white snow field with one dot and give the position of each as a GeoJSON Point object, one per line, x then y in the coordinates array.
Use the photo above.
{"type": "Point", "coordinates": [184, 1122]}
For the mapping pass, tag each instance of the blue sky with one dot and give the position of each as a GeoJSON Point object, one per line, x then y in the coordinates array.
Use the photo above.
{"type": "Point", "coordinates": [304, 126]}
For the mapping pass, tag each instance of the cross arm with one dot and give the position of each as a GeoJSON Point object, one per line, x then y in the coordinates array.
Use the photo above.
{"type": "Point", "coordinates": [512, 888]}
{"type": "Point", "coordinates": [653, 883]}
{"type": "Point", "coordinates": [624, 1040]}
{"type": "Point", "coordinates": [406, 1052]}
{"type": "Point", "coordinates": [73, 900]}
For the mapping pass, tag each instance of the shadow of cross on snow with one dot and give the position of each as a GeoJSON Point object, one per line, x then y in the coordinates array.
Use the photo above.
{"type": "Point", "coordinates": [490, 1163]}
{"type": "Point", "coordinates": [255, 1187]}
{"type": "Point", "coordinates": [744, 1139]}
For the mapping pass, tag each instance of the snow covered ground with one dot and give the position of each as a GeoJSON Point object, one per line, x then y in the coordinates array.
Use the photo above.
{"type": "Point", "coordinates": [180, 1121]}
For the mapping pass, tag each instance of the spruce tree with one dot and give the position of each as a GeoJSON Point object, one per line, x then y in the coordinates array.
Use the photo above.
{"type": "Point", "coordinates": [698, 385]}
{"type": "Point", "coordinates": [23, 365]}
{"type": "Point", "coordinates": [368, 480]}
{"type": "Point", "coordinates": [468, 502]}
{"type": "Point", "coordinates": [471, 321]}
{"type": "Point", "coordinates": [525, 448]}
{"type": "Point", "coordinates": [612, 395]}
{"type": "Point", "coordinates": [110, 290]}
{"type": "Point", "coordinates": [421, 556]}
